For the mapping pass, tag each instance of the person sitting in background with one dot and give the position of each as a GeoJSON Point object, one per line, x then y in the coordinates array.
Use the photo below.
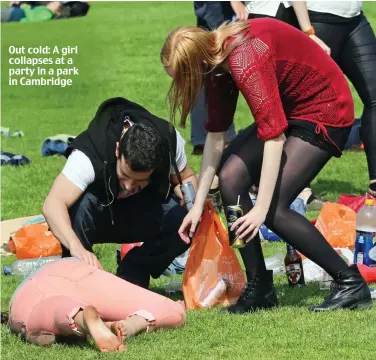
{"type": "Point", "coordinates": [70, 298]}
{"type": "Point", "coordinates": [120, 185]}
{"type": "Point", "coordinates": [38, 11]}
{"type": "Point", "coordinates": [27, 13]}
{"type": "Point", "coordinates": [74, 9]}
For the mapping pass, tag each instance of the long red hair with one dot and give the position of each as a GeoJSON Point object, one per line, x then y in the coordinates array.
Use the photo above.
{"type": "Point", "coordinates": [189, 53]}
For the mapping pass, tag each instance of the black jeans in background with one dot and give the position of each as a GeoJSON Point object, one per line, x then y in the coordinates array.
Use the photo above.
{"type": "Point", "coordinates": [143, 217]}
{"type": "Point", "coordinates": [353, 48]}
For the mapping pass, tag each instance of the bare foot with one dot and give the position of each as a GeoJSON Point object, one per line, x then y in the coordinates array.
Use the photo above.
{"type": "Point", "coordinates": [117, 328]}
{"type": "Point", "coordinates": [103, 337]}
{"type": "Point", "coordinates": [131, 326]}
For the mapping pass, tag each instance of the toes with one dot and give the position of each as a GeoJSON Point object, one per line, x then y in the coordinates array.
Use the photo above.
{"type": "Point", "coordinates": [119, 330]}
{"type": "Point", "coordinates": [113, 348]}
{"type": "Point", "coordinates": [122, 348]}
{"type": "Point", "coordinates": [122, 331]}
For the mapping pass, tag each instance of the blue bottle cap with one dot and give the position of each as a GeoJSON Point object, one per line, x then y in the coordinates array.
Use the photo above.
{"type": "Point", "coordinates": [7, 270]}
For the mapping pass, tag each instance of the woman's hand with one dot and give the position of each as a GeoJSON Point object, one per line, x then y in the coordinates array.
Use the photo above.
{"type": "Point", "coordinates": [301, 12]}
{"type": "Point", "coordinates": [240, 10]}
{"type": "Point", "coordinates": [249, 224]}
{"type": "Point", "coordinates": [188, 227]}
{"type": "Point", "coordinates": [319, 42]}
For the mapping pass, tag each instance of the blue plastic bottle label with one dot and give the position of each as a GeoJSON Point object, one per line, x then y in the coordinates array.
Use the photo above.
{"type": "Point", "coordinates": [366, 243]}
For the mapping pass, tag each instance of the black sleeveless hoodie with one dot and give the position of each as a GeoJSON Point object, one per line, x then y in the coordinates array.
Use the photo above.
{"type": "Point", "coordinates": [98, 143]}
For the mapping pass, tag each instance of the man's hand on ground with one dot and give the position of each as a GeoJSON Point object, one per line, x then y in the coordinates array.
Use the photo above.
{"type": "Point", "coordinates": [86, 256]}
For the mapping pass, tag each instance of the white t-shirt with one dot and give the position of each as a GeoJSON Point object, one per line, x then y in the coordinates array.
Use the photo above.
{"type": "Point", "coordinates": [267, 7]}
{"type": "Point", "coordinates": [79, 169]}
{"type": "Point", "coordinates": [347, 9]}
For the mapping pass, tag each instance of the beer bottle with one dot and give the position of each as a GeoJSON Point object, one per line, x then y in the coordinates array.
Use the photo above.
{"type": "Point", "coordinates": [294, 267]}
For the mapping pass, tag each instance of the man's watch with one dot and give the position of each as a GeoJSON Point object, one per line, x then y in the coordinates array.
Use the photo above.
{"type": "Point", "coordinates": [310, 31]}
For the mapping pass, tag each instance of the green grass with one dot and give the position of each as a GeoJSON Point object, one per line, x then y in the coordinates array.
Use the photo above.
{"type": "Point", "coordinates": [119, 45]}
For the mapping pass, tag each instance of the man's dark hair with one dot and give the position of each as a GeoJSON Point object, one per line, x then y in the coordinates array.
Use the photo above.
{"type": "Point", "coordinates": [143, 148]}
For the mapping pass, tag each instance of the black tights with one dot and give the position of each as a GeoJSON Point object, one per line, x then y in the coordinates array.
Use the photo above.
{"type": "Point", "coordinates": [353, 47]}
{"type": "Point", "coordinates": [301, 162]}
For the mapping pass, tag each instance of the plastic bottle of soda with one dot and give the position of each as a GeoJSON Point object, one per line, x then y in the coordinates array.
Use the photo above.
{"type": "Point", "coordinates": [365, 243]}
{"type": "Point", "coordinates": [294, 267]}
{"type": "Point", "coordinates": [359, 250]}
{"type": "Point", "coordinates": [26, 267]}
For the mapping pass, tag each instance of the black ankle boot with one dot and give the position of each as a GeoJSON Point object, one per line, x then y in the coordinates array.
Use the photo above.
{"type": "Point", "coordinates": [257, 294]}
{"type": "Point", "coordinates": [349, 291]}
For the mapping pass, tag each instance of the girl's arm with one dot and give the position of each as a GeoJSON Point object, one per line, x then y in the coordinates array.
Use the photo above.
{"type": "Point", "coordinates": [301, 12]}
{"type": "Point", "coordinates": [214, 145]}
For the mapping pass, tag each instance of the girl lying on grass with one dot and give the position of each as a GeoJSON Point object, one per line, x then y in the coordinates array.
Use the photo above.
{"type": "Point", "coordinates": [73, 299]}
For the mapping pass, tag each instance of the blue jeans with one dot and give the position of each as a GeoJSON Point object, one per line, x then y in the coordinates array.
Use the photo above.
{"type": "Point", "coordinates": [199, 116]}
{"type": "Point", "coordinates": [11, 14]}
{"type": "Point", "coordinates": [210, 15]}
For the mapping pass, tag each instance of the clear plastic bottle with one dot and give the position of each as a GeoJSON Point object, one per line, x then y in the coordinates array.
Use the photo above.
{"type": "Point", "coordinates": [366, 235]}
{"type": "Point", "coordinates": [275, 263]}
{"type": "Point", "coordinates": [214, 295]}
{"type": "Point", "coordinates": [26, 267]}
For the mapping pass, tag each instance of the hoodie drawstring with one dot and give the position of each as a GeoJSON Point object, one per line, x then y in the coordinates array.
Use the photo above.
{"type": "Point", "coordinates": [107, 196]}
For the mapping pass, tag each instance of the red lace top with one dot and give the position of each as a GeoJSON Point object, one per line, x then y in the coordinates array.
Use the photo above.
{"type": "Point", "coordinates": [282, 75]}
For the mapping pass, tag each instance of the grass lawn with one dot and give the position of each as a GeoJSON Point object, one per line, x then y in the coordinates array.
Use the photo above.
{"type": "Point", "coordinates": [119, 45]}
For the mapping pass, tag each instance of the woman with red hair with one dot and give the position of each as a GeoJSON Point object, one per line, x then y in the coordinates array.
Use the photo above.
{"type": "Point", "coordinates": [303, 111]}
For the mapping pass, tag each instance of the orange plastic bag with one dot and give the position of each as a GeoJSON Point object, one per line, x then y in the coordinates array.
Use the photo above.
{"type": "Point", "coordinates": [33, 241]}
{"type": "Point", "coordinates": [337, 223]}
{"type": "Point", "coordinates": [213, 275]}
